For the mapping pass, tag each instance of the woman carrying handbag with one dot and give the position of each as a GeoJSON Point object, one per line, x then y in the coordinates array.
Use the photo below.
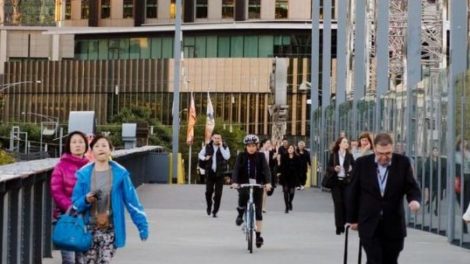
{"type": "Point", "coordinates": [102, 191]}
{"type": "Point", "coordinates": [340, 166]}
{"type": "Point", "coordinates": [63, 181]}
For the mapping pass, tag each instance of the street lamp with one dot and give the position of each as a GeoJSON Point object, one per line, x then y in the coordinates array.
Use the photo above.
{"type": "Point", "coordinates": [44, 130]}
{"type": "Point", "coordinates": [8, 85]}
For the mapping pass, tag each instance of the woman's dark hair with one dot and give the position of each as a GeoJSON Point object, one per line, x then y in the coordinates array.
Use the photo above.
{"type": "Point", "coordinates": [337, 143]}
{"type": "Point", "coordinates": [263, 141]}
{"type": "Point", "coordinates": [93, 142]}
{"type": "Point", "coordinates": [369, 138]}
{"type": "Point", "coordinates": [68, 141]}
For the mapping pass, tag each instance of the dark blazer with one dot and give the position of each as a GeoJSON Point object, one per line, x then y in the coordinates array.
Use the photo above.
{"type": "Point", "coordinates": [333, 161]}
{"type": "Point", "coordinates": [365, 202]}
{"type": "Point", "coordinates": [290, 171]}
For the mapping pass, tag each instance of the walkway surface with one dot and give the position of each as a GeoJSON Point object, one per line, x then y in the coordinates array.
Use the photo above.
{"type": "Point", "coordinates": [181, 232]}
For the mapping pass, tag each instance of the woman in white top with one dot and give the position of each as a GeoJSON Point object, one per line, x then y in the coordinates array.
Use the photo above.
{"type": "Point", "coordinates": [340, 165]}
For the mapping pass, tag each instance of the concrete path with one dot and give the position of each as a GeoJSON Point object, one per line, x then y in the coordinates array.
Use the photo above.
{"type": "Point", "coordinates": [181, 232]}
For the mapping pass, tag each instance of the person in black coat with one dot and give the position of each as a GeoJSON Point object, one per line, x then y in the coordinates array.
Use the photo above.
{"type": "Point", "coordinates": [375, 204]}
{"type": "Point", "coordinates": [290, 170]}
{"type": "Point", "coordinates": [251, 166]}
{"type": "Point", "coordinates": [340, 165]}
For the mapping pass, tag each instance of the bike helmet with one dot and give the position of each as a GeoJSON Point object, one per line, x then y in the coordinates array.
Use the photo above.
{"type": "Point", "coordinates": [251, 139]}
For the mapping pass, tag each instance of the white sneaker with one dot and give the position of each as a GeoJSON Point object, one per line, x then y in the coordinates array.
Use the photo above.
{"type": "Point", "coordinates": [302, 187]}
{"type": "Point", "coordinates": [298, 188]}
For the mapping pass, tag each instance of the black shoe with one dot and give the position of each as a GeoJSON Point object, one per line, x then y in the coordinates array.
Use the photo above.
{"type": "Point", "coordinates": [239, 220]}
{"type": "Point", "coordinates": [290, 206]}
{"type": "Point", "coordinates": [259, 241]}
{"type": "Point", "coordinates": [287, 210]}
{"type": "Point", "coordinates": [208, 210]}
{"type": "Point", "coordinates": [214, 215]}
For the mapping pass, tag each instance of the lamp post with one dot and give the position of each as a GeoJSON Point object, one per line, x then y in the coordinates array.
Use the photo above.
{"type": "Point", "coordinates": [52, 120]}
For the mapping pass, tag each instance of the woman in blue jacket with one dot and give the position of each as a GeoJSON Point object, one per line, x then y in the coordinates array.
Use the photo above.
{"type": "Point", "coordinates": [103, 189]}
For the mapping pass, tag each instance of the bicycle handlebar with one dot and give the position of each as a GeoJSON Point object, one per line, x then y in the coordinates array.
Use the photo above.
{"type": "Point", "coordinates": [245, 185]}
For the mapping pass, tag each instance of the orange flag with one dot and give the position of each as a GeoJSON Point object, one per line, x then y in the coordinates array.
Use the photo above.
{"type": "Point", "coordinates": [191, 121]}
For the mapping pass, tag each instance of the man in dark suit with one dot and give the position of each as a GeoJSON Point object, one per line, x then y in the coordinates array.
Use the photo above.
{"type": "Point", "coordinates": [375, 204]}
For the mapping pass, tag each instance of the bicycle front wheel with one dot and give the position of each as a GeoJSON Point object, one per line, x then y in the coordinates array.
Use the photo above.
{"type": "Point", "coordinates": [251, 227]}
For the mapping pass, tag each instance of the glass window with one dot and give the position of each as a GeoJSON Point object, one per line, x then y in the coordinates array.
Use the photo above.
{"type": "Point", "coordinates": [103, 49]}
{"type": "Point", "coordinates": [68, 10]}
{"type": "Point", "coordinates": [223, 47]}
{"type": "Point", "coordinates": [228, 7]}
{"type": "Point", "coordinates": [144, 48]}
{"type": "Point", "coordinates": [211, 47]}
{"type": "Point", "coordinates": [152, 8]}
{"type": "Point", "coordinates": [105, 8]}
{"type": "Point", "coordinates": [251, 46]}
{"type": "Point", "coordinates": [85, 9]}
{"type": "Point", "coordinates": [156, 48]}
{"type": "Point", "coordinates": [281, 8]}
{"type": "Point", "coordinates": [124, 49]}
{"type": "Point", "coordinates": [134, 48]}
{"type": "Point", "coordinates": [93, 49]}
{"type": "Point", "coordinates": [236, 47]}
{"type": "Point", "coordinates": [266, 44]}
{"type": "Point", "coordinates": [127, 8]}
{"type": "Point", "coordinates": [113, 50]}
{"type": "Point", "coordinates": [81, 50]}
{"type": "Point", "coordinates": [167, 47]}
{"type": "Point", "coordinates": [201, 8]}
{"type": "Point", "coordinates": [200, 44]}
{"type": "Point", "coordinates": [254, 9]}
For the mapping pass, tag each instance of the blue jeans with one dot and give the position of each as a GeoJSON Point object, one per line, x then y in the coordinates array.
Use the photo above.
{"type": "Point", "coordinates": [71, 257]}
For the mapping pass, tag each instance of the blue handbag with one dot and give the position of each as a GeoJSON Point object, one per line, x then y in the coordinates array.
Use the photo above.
{"type": "Point", "coordinates": [70, 233]}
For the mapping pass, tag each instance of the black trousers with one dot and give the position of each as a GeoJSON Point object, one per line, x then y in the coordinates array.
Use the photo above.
{"type": "Point", "coordinates": [380, 249]}
{"type": "Point", "coordinates": [339, 194]}
{"type": "Point", "coordinates": [214, 187]}
{"type": "Point", "coordinates": [244, 196]}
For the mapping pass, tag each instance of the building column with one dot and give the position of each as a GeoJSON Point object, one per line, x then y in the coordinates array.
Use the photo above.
{"type": "Point", "coordinates": [240, 10]}
{"type": "Point", "coordinates": [55, 56]}
{"type": "Point", "coordinates": [3, 50]}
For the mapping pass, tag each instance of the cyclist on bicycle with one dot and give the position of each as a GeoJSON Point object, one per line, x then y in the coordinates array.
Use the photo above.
{"type": "Point", "coordinates": [251, 164]}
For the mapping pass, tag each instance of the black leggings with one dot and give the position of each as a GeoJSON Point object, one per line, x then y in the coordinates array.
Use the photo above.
{"type": "Point", "coordinates": [244, 195]}
{"type": "Point", "coordinates": [289, 193]}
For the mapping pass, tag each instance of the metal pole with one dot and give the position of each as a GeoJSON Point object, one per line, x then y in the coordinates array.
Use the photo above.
{"type": "Point", "coordinates": [176, 88]}
{"type": "Point", "coordinates": [413, 64]}
{"type": "Point", "coordinates": [341, 68]}
{"type": "Point", "coordinates": [189, 163]}
{"type": "Point", "coordinates": [40, 143]}
{"type": "Point", "coordinates": [314, 69]}
{"type": "Point", "coordinates": [382, 59]}
{"type": "Point", "coordinates": [458, 65]}
{"type": "Point", "coordinates": [359, 61]}
{"type": "Point", "coordinates": [61, 134]}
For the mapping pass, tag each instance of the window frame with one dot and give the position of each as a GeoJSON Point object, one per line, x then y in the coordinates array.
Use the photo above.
{"type": "Point", "coordinates": [228, 6]}
{"type": "Point", "coordinates": [126, 7]}
{"type": "Point", "coordinates": [104, 7]}
{"type": "Point", "coordinates": [151, 6]}
{"type": "Point", "coordinates": [255, 6]}
{"type": "Point", "coordinates": [199, 5]}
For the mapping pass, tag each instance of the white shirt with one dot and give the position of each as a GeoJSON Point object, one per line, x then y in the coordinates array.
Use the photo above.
{"type": "Point", "coordinates": [341, 173]}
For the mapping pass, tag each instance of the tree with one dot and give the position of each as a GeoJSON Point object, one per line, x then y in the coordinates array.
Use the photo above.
{"type": "Point", "coordinates": [233, 138]}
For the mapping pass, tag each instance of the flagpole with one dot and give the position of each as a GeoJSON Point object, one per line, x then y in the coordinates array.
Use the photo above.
{"type": "Point", "coordinates": [189, 163]}
{"type": "Point", "coordinates": [176, 90]}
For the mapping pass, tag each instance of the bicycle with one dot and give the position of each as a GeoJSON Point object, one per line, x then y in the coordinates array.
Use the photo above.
{"type": "Point", "coordinates": [249, 221]}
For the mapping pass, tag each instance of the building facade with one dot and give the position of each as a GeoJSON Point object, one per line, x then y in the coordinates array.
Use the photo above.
{"type": "Point", "coordinates": [109, 54]}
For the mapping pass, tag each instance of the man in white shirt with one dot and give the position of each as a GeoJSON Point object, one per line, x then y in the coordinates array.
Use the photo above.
{"type": "Point", "coordinates": [214, 157]}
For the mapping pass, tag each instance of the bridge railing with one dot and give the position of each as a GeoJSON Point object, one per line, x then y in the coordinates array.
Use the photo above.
{"type": "Point", "coordinates": [26, 203]}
